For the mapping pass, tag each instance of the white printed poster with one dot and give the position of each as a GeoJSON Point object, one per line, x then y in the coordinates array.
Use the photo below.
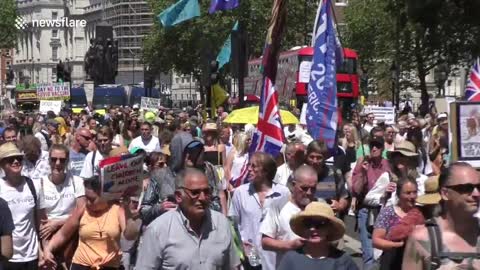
{"type": "Point", "coordinates": [150, 104]}
{"type": "Point", "coordinates": [50, 105]}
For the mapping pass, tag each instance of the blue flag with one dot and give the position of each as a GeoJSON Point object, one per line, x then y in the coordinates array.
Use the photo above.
{"type": "Point", "coordinates": [225, 53]}
{"type": "Point", "coordinates": [181, 11]}
{"type": "Point", "coordinates": [217, 5]}
{"type": "Point", "coordinates": [322, 117]}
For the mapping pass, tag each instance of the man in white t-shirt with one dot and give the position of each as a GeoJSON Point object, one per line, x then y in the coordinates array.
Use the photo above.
{"type": "Point", "coordinates": [146, 141]}
{"type": "Point", "coordinates": [24, 201]}
{"type": "Point", "coordinates": [275, 228]}
{"type": "Point", "coordinates": [294, 158]}
{"type": "Point", "coordinates": [369, 124]}
{"type": "Point", "coordinates": [104, 145]}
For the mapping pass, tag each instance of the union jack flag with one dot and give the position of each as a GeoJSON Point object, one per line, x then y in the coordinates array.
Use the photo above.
{"type": "Point", "coordinates": [472, 92]}
{"type": "Point", "coordinates": [268, 136]}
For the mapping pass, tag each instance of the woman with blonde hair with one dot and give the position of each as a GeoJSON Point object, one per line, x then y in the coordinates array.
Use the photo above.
{"type": "Point", "coordinates": [236, 165]}
{"type": "Point", "coordinates": [350, 142]}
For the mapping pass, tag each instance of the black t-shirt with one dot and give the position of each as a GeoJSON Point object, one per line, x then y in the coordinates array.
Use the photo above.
{"type": "Point", "coordinates": [338, 260]}
{"type": "Point", "coordinates": [6, 222]}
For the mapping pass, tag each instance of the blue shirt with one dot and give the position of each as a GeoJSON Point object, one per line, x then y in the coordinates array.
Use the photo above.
{"type": "Point", "coordinates": [76, 162]}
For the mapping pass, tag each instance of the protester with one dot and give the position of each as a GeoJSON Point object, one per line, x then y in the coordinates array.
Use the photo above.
{"type": "Point", "coordinates": [364, 178]}
{"type": "Point", "coordinates": [456, 228]}
{"type": "Point", "coordinates": [350, 142]}
{"type": "Point", "coordinates": [390, 216]}
{"type": "Point", "coordinates": [35, 163]}
{"type": "Point", "coordinates": [369, 124]}
{"type": "Point", "coordinates": [331, 186]}
{"type": "Point", "coordinates": [6, 230]}
{"type": "Point", "coordinates": [215, 151]}
{"type": "Point", "coordinates": [146, 140]}
{"type": "Point", "coordinates": [10, 135]}
{"type": "Point", "coordinates": [275, 229]}
{"type": "Point", "coordinates": [24, 201]}
{"type": "Point", "coordinates": [251, 202]}
{"type": "Point", "coordinates": [318, 225]}
{"type": "Point", "coordinates": [389, 138]}
{"type": "Point", "coordinates": [177, 146]}
{"type": "Point", "coordinates": [99, 240]}
{"type": "Point", "coordinates": [79, 150]}
{"type": "Point", "coordinates": [191, 237]}
{"type": "Point", "coordinates": [226, 138]}
{"type": "Point", "coordinates": [40, 132]}
{"type": "Point", "coordinates": [294, 157]}
{"type": "Point", "coordinates": [104, 143]}
{"type": "Point", "coordinates": [236, 165]}
{"type": "Point", "coordinates": [193, 157]}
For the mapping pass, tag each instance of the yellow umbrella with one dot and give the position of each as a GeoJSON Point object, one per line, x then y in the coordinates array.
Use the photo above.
{"type": "Point", "coordinates": [249, 115]}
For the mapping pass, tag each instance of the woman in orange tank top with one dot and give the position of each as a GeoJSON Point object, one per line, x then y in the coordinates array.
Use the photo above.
{"type": "Point", "coordinates": [99, 226]}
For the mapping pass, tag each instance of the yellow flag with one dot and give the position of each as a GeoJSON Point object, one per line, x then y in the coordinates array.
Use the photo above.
{"type": "Point", "coordinates": [218, 96]}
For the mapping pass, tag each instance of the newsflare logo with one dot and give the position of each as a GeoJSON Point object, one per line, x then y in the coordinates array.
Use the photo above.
{"type": "Point", "coordinates": [20, 23]}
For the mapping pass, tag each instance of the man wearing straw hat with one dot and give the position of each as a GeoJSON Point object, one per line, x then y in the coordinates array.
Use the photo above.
{"type": "Point", "coordinates": [22, 195]}
{"type": "Point", "coordinates": [319, 227]}
{"type": "Point", "coordinates": [275, 229]}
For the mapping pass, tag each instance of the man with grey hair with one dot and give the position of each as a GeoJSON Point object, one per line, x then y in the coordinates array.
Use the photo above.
{"type": "Point", "coordinates": [294, 157]}
{"type": "Point", "coordinates": [191, 237]}
{"type": "Point", "coordinates": [402, 132]}
{"type": "Point", "coordinates": [275, 228]}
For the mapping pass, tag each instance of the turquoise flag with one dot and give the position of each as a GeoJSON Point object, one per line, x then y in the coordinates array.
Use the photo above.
{"type": "Point", "coordinates": [226, 51]}
{"type": "Point", "coordinates": [181, 11]}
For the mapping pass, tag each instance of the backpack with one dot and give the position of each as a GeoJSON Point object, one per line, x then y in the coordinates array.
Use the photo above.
{"type": "Point", "coordinates": [49, 142]}
{"type": "Point", "coordinates": [436, 247]}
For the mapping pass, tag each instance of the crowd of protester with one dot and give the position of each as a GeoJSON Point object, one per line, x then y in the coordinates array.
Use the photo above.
{"type": "Point", "coordinates": [208, 203]}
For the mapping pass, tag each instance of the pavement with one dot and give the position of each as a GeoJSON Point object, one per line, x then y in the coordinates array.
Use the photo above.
{"type": "Point", "coordinates": [352, 241]}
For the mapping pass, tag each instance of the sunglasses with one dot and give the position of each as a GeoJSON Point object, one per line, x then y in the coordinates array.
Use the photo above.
{"type": "Point", "coordinates": [55, 159]}
{"type": "Point", "coordinates": [195, 193]}
{"type": "Point", "coordinates": [306, 189]}
{"type": "Point", "coordinates": [376, 145]}
{"type": "Point", "coordinates": [88, 138]}
{"type": "Point", "coordinates": [11, 160]}
{"type": "Point", "coordinates": [465, 188]}
{"type": "Point", "coordinates": [315, 223]}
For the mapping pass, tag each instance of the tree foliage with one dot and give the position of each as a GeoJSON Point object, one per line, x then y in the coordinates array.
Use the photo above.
{"type": "Point", "coordinates": [189, 46]}
{"type": "Point", "coordinates": [8, 32]}
{"type": "Point", "coordinates": [430, 33]}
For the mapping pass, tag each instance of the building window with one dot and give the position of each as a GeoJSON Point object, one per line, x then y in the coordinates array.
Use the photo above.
{"type": "Point", "coordinates": [54, 53]}
{"type": "Point", "coordinates": [8, 63]}
{"type": "Point", "coordinates": [54, 15]}
{"type": "Point", "coordinates": [55, 33]}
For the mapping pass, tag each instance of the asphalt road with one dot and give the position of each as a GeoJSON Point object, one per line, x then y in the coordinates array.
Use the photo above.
{"type": "Point", "coordinates": [352, 241]}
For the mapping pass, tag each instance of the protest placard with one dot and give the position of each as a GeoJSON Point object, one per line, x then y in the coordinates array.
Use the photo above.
{"type": "Point", "coordinates": [150, 104]}
{"type": "Point", "coordinates": [121, 176]}
{"type": "Point", "coordinates": [382, 114]}
{"type": "Point", "coordinates": [53, 91]}
{"type": "Point", "coordinates": [50, 105]}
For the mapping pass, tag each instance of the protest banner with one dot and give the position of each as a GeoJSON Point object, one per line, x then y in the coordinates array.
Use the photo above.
{"type": "Point", "coordinates": [121, 176]}
{"type": "Point", "coordinates": [50, 105]}
{"type": "Point", "coordinates": [150, 104]}
{"type": "Point", "coordinates": [54, 91]}
{"type": "Point", "coordinates": [382, 114]}
{"type": "Point", "coordinates": [465, 128]}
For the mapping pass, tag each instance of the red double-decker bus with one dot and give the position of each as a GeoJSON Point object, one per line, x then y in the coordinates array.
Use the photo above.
{"type": "Point", "coordinates": [293, 76]}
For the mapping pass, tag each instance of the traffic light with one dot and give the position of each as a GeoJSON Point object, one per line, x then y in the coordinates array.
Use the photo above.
{"type": "Point", "coordinates": [214, 74]}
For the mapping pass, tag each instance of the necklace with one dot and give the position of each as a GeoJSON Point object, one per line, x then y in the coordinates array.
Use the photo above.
{"type": "Point", "coordinates": [100, 229]}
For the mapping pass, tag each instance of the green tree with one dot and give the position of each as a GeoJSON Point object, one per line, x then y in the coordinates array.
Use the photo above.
{"type": "Point", "coordinates": [187, 47]}
{"type": "Point", "coordinates": [8, 32]}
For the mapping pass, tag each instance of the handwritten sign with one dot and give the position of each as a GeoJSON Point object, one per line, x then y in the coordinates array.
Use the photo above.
{"type": "Point", "coordinates": [50, 105]}
{"type": "Point", "coordinates": [304, 71]}
{"type": "Point", "coordinates": [121, 176]}
{"type": "Point", "coordinates": [150, 104]}
{"type": "Point", "coordinates": [382, 114]}
{"type": "Point", "coordinates": [54, 91]}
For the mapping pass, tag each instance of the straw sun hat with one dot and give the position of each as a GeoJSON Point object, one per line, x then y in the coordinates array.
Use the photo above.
{"type": "Point", "coordinates": [431, 196]}
{"type": "Point", "coordinates": [318, 210]}
{"type": "Point", "coordinates": [9, 150]}
{"type": "Point", "coordinates": [405, 148]}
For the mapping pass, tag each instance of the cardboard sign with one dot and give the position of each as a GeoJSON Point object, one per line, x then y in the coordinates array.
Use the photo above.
{"type": "Point", "coordinates": [150, 104]}
{"type": "Point", "coordinates": [53, 91]}
{"type": "Point", "coordinates": [121, 176]}
{"type": "Point", "coordinates": [50, 105]}
{"type": "Point", "coordinates": [385, 114]}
